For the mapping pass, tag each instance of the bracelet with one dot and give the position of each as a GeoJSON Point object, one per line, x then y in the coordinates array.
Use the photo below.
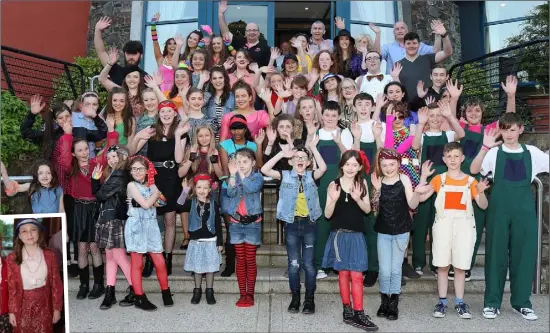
{"type": "Point", "coordinates": [485, 147]}
{"type": "Point", "coordinates": [110, 64]}
{"type": "Point", "coordinates": [232, 177]}
{"type": "Point", "coordinates": [444, 35]}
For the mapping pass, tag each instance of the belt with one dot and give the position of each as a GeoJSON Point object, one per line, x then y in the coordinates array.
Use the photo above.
{"type": "Point", "coordinates": [165, 164]}
{"type": "Point", "coordinates": [248, 218]}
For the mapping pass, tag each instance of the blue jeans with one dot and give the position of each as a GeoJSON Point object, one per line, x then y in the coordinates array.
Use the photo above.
{"type": "Point", "coordinates": [390, 258]}
{"type": "Point", "coordinates": [300, 247]}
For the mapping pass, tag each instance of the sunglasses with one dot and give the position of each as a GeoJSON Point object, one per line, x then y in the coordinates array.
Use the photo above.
{"type": "Point", "coordinates": [399, 116]}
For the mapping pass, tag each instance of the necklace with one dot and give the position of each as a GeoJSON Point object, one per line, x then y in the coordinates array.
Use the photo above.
{"type": "Point", "coordinates": [201, 208]}
{"type": "Point", "coordinates": [31, 258]}
{"type": "Point", "coordinates": [84, 170]}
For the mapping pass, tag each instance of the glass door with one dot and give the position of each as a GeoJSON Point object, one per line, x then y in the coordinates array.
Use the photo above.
{"type": "Point", "coordinates": [239, 14]}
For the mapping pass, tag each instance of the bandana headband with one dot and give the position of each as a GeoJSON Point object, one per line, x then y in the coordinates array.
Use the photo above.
{"type": "Point", "coordinates": [117, 149]}
{"type": "Point", "coordinates": [168, 104]}
{"type": "Point", "coordinates": [202, 176]}
{"type": "Point", "coordinates": [151, 171]}
{"type": "Point", "coordinates": [238, 120]}
{"type": "Point", "coordinates": [389, 154]}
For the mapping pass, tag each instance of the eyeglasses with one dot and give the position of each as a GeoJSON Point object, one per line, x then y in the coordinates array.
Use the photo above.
{"type": "Point", "coordinates": [252, 30]}
{"type": "Point", "coordinates": [300, 158]}
{"type": "Point", "coordinates": [348, 88]}
{"type": "Point", "coordinates": [372, 59]}
{"type": "Point", "coordinates": [399, 116]}
{"type": "Point", "coordinates": [138, 169]}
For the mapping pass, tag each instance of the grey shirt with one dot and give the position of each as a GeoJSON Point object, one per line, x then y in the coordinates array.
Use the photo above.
{"type": "Point", "coordinates": [412, 72]}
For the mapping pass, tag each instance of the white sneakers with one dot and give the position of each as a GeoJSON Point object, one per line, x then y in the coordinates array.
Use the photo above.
{"type": "Point", "coordinates": [526, 313]}
{"type": "Point", "coordinates": [321, 274]}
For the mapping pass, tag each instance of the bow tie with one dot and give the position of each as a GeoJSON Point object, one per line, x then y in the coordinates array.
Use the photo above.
{"type": "Point", "coordinates": [380, 77]}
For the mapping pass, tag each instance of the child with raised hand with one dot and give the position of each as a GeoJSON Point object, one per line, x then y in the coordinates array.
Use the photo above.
{"type": "Point", "coordinates": [142, 233]}
{"type": "Point", "coordinates": [347, 204]}
{"type": "Point", "coordinates": [299, 207]}
{"type": "Point", "coordinates": [511, 236]}
{"type": "Point", "coordinates": [243, 204]}
{"type": "Point", "coordinates": [45, 193]}
{"type": "Point", "coordinates": [454, 231]}
{"type": "Point", "coordinates": [111, 195]}
{"type": "Point", "coordinates": [202, 215]}
{"type": "Point", "coordinates": [431, 143]}
{"type": "Point", "coordinates": [393, 197]}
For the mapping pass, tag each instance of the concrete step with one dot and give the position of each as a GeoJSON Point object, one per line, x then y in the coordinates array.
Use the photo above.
{"type": "Point", "coordinates": [269, 234]}
{"type": "Point", "coordinates": [272, 280]}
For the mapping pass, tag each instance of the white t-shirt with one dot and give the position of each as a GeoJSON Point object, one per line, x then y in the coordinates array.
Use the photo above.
{"type": "Point", "coordinates": [366, 134]}
{"type": "Point", "coordinates": [327, 135]}
{"type": "Point", "coordinates": [539, 160]}
{"type": "Point", "coordinates": [374, 87]}
{"type": "Point", "coordinates": [450, 136]}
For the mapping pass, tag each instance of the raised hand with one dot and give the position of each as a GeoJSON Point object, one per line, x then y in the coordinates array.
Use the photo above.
{"type": "Point", "coordinates": [110, 121]}
{"type": "Point", "coordinates": [97, 171]}
{"type": "Point", "coordinates": [445, 108]}
{"type": "Point", "coordinates": [374, 28]}
{"type": "Point", "coordinates": [232, 166]}
{"type": "Point", "coordinates": [511, 85]}
{"type": "Point", "coordinates": [287, 151]}
{"type": "Point", "coordinates": [265, 95]}
{"type": "Point", "coordinates": [288, 83]}
{"type": "Point", "coordinates": [259, 138]}
{"type": "Point", "coordinates": [422, 115]}
{"type": "Point", "coordinates": [271, 134]}
{"type": "Point", "coordinates": [158, 78]}
{"type": "Point", "coordinates": [205, 76]}
{"type": "Point", "coordinates": [267, 69]}
{"type": "Point", "coordinates": [222, 8]}
{"type": "Point", "coordinates": [313, 143]}
{"type": "Point", "coordinates": [156, 17]}
{"type": "Point", "coordinates": [103, 23]}
{"type": "Point", "coordinates": [438, 28]}
{"type": "Point", "coordinates": [150, 81]}
{"type": "Point", "coordinates": [355, 191]}
{"type": "Point", "coordinates": [312, 127]}
{"type": "Point", "coordinates": [420, 91]}
{"type": "Point", "coordinates": [339, 22]}
{"type": "Point", "coordinates": [275, 53]}
{"type": "Point", "coordinates": [37, 104]}
{"type": "Point", "coordinates": [427, 170]}
{"type": "Point", "coordinates": [296, 43]}
{"type": "Point", "coordinates": [356, 130]}
{"type": "Point", "coordinates": [145, 134]}
{"type": "Point", "coordinates": [396, 70]}
{"type": "Point", "coordinates": [482, 185]}
{"type": "Point", "coordinates": [377, 129]}
{"type": "Point", "coordinates": [453, 89]}
{"type": "Point", "coordinates": [228, 64]}
{"type": "Point", "coordinates": [363, 50]}
{"type": "Point", "coordinates": [309, 51]}
{"type": "Point", "coordinates": [180, 40]}
{"type": "Point", "coordinates": [376, 181]}
{"type": "Point", "coordinates": [67, 126]}
{"type": "Point", "coordinates": [490, 138]}
{"type": "Point", "coordinates": [381, 100]}
{"type": "Point", "coordinates": [429, 100]}
{"type": "Point", "coordinates": [337, 137]}
{"type": "Point", "coordinates": [113, 56]}
{"type": "Point", "coordinates": [334, 191]}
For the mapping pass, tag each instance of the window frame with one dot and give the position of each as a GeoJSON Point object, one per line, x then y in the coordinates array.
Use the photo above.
{"type": "Point", "coordinates": [386, 25]}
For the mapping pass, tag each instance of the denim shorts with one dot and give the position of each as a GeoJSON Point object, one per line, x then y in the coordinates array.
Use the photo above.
{"type": "Point", "coordinates": [245, 233]}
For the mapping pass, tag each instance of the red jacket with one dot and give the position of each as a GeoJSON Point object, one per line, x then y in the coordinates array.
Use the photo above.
{"type": "Point", "coordinates": [53, 283]}
{"type": "Point", "coordinates": [4, 289]}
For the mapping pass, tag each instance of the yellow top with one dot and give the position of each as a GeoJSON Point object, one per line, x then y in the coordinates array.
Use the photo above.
{"type": "Point", "coordinates": [301, 206]}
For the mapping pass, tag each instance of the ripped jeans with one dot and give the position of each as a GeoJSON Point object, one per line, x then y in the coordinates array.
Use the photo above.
{"type": "Point", "coordinates": [390, 258]}
{"type": "Point", "coordinates": [300, 247]}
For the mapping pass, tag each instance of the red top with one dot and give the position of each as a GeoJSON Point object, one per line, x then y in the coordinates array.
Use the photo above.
{"type": "Point", "coordinates": [4, 288]}
{"type": "Point", "coordinates": [81, 185]}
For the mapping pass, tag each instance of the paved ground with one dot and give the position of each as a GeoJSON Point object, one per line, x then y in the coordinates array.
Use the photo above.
{"type": "Point", "coordinates": [270, 315]}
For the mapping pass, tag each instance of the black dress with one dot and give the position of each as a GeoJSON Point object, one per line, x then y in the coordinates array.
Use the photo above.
{"type": "Point", "coordinates": [393, 217]}
{"type": "Point", "coordinates": [166, 180]}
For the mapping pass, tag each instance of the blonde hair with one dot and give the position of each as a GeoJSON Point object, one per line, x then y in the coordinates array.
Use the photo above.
{"type": "Point", "coordinates": [211, 148]}
{"type": "Point", "coordinates": [370, 42]}
{"type": "Point", "coordinates": [341, 99]}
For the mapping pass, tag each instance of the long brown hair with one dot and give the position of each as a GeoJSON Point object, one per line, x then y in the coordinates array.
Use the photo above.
{"type": "Point", "coordinates": [127, 115]}
{"type": "Point", "coordinates": [332, 69]}
{"type": "Point", "coordinates": [122, 161]}
{"type": "Point", "coordinates": [175, 91]}
{"type": "Point", "coordinates": [18, 243]}
{"type": "Point", "coordinates": [223, 53]}
{"type": "Point", "coordinates": [159, 128]}
{"type": "Point", "coordinates": [35, 185]}
{"type": "Point", "coordinates": [75, 167]}
{"type": "Point", "coordinates": [360, 176]}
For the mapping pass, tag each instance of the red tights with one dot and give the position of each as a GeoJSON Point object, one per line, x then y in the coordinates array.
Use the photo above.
{"type": "Point", "coordinates": [246, 268]}
{"type": "Point", "coordinates": [356, 288]}
{"type": "Point", "coordinates": [137, 270]}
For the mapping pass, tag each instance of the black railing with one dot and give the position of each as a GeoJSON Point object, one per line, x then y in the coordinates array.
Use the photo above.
{"type": "Point", "coordinates": [25, 74]}
{"type": "Point", "coordinates": [482, 76]}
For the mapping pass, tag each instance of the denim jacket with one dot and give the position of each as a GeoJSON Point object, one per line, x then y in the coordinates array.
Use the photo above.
{"type": "Point", "coordinates": [288, 193]}
{"type": "Point", "coordinates": [210, 107]}
{"type": "Point", "coordinates": [195, 221]}
{"type": "Point", "coordinates": [251, 189]}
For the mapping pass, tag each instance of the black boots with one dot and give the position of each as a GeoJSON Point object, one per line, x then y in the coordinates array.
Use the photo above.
{"type": "Point", "coordinates": [84, 289]}
{"type": "Point", "coordinates": [294, 306]}
{"type": "Point", "coordinates": [109, 299]}
{"type": "Point", "coordinates": [130, 299]}
{"type": "Point", "coordinates": [210, 296]}
{"type": "Point", "coordinates": [348, 313]}
{"type": "Point", "coordinates": [229, 260]}
{"type": "Point", "coordinates": [167, 298]}
{"type": "Point", "coordinates": [99, 288]}
{"type": "Point", "coordinates": [143, 303]}
{"type": "Point", "coordinates": [370, 279]}
{"type": "Point", "coordinates": [73, 270]}
{"type": "Point", "coordinates": [148, 266]}
{"type": "Point", "coordinates": [197, 294]}
{"type": "Point", "coordinates": [168, 260]}
{"type": "Point", "coordinates": [362, 321]}
{"type": "Point", "coordinates": [309, 305]}
{"type": "Point", "coordinates": [384, 305]}
{"type": "Point", "coordinates": [393, 311]}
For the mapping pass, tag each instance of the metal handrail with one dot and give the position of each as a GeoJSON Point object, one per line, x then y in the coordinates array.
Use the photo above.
{"type": "Point", "coordinates": [538, 268]}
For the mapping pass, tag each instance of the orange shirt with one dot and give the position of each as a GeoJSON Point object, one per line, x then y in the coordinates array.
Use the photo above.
{"type": "Point", "coordinates": [452, 199]}
{"type": "Point", "coordinates": [177, 99]}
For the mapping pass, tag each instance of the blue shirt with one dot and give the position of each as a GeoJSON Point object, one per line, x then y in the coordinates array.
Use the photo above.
{"type": "Point", "coordinates": [230, 147]}
{"type": "Point", "coordinates": [46, 200]}
{"type": "Point", "coordinates": [394, 52]}
{"type": "Point", "coordinates": [79, 120]}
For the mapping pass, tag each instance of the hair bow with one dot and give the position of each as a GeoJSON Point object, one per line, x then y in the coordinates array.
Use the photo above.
{"type": "Point", "coordinates": [151, 171]}
{"type": "Point", "coordinates": [365, 161]}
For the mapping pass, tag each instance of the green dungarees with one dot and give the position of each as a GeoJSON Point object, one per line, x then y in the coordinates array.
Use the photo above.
{"type": "Point", "coordinates": [432, 149]}
{"type": "Point", "coordinates": [511, 231]}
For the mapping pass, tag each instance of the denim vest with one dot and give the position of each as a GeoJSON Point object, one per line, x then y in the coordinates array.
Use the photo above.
{"type": "Point", "coordinates": [210, 110]}
{"type": "Point", "coordinates": [251, 189]}
{"type": "Point", "coordinates": [288, 193]}
{"type": "Point", "coordinates": [195, 221]}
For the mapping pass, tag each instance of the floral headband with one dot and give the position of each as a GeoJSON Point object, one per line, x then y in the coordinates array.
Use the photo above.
{"type": "Point", "coordinates": [151, 171]}
{"type": "Point", "coordinates": [389, 154]}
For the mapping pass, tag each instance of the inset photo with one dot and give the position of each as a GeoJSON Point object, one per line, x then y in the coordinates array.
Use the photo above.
{"type": "Point", "coordinates": [33, 293]}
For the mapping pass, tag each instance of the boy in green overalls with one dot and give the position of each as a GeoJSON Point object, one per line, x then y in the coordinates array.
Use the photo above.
{"type": "Point", "coordinates": [367, 135]}
{"type": "Point", "coordinates": [331, 148]}
{"type": "Point", "coordinates": [432, 142]}
{"type": "Point", "coordinates": [511, 234]}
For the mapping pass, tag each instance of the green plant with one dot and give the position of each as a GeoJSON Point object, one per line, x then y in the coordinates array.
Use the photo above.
{"type": "Point", "coordinates": [13, 145]}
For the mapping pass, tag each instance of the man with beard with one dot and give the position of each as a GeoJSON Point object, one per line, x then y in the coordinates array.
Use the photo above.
{"type": "Point", "coordinates": [133, 51]}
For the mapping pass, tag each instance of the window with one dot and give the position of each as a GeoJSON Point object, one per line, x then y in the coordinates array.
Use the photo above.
{"type": "Point", "coordinates": [504, 19]}
{"type": "Point", "coordinates": [176, 17]}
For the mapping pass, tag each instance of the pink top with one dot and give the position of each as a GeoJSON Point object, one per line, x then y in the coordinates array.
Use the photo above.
{"type": "Point", "coordinates": [167, 73]}
{"type": "Point", "coordinates": [389, 142]}
{"type": "Point", "coordinates": [255, 121]}
{"type": "Point", "coordinates": [477, 128]}
{"type": "Point", "coordinates": [248, 78]}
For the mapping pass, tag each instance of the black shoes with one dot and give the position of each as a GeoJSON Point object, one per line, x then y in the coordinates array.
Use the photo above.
{"type": "Point", "coordinates": [73, 270]}
{"type": "Point", "coordinates": [210, 299]}
{"type": "Point", "coordinates": [348, 314]}
{"type": "Point", "coordinates": [409, 272]}
{"type": "Point", "coordinates": [148, 266]}
{"type": "Point", "coordinates": [393, 311]}
{"type": "Point", "coordinates": [109, 299]}
{"type": "Point", "coordinates": [83, 291]}
{"type": "Point", "coordinates": [167, 298]}
{"type": "Point", "coordinates": [130, 299]}
{"type": "Point", "coordinates": [362, 321]}
{"type": "Point", "coordinates": [294, 306]}
{"type": "Point", "coordinates": [143, 303]}
{"type": "Point", "coordinates": [309, 305]}
{"type": "Point", "coordinates": [370, 279]}
{"type": "Point", "coordinates": [98, 289]}
{"type": "Point", "coordinates": [197, 294]}
{"type": "Point", "coordinates": [384, 305]}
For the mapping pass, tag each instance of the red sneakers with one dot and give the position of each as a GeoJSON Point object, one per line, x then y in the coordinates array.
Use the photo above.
{"type": "Point", "coordinates": [245, 301]}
